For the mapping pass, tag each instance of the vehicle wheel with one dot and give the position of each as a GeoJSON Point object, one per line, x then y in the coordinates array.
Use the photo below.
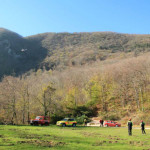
{"type": "Point", "coordinates": [106, 125]}
{"type": "Point", "coordinates": [46, 124]}
{"type": "Point", "coordinates": [63, 125]}
{"type": "Point", "coordinates": [116, 125]}
{"type": "Point", "coordinates": [74, 125]}
{"type": "Point", "coordinates": [35, 123]}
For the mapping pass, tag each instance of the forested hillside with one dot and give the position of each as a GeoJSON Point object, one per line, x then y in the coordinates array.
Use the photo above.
{"type": "Point", "coordinates": [59, 50]}
{"type": "Point", "coordinates": [65, 49]}
{"type": "Point", "coordinates": [81, 75]}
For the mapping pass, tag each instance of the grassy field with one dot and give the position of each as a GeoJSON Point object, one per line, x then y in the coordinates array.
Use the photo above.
{"type": "Point", "coordinates": [69, 138]}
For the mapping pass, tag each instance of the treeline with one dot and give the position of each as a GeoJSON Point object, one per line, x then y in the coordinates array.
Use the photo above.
{"type": "Point", "coordinates": [112, 91]}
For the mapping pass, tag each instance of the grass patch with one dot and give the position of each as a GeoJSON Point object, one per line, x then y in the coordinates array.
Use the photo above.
{"type": "Point", "coordinates": [63, 138]}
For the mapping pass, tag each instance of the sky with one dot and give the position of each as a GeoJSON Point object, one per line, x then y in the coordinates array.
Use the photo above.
{"type": "Point", "coordinates": [30, 17]}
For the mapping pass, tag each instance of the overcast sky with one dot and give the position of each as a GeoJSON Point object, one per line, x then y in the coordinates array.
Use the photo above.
{"type": "Point", "coordinates": [29, 17]}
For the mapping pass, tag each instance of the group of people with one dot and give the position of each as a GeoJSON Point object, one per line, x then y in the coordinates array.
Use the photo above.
{"type": "Point", "coordinates": [130, 124]}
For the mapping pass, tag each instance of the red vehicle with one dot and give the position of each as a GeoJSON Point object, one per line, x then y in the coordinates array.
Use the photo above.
{"type": "Point", "coordinates": [40, 120]}
{"type": "Point", "coordinates": [111, 124]}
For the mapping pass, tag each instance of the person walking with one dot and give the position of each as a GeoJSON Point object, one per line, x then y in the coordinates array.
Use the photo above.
{"type": "Point", "coordinates": [143, 127]}
{"type": "Point", "coordinates": [130, 124]}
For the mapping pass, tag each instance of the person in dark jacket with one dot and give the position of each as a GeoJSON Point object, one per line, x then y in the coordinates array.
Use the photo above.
{"type": "Point", "coordinates": [130, 124]}
{"type": "Point", "coordinates": [101, 123]}
{"type": "Point", "coordinates": [143, 127]}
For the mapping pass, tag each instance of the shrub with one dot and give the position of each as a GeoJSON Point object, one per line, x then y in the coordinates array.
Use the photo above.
{"type": "Point", "coordinates": [54, 118]}
{"type": "Point", "coordinates": [80, 119]}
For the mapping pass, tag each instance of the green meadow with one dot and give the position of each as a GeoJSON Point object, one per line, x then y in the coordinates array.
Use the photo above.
{"type": "Point", "coordinates": [69, 138]}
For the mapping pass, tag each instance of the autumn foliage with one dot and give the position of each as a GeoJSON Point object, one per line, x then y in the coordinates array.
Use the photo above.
{"type": "Point", "coordinates": [110, 90]}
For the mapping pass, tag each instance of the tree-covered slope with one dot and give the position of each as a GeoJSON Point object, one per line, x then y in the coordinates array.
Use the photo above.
{"type": "Point", "coordinates": [108, 79]}
{"type": "Point", "coordinates": [66, 49]}
{"type": "Point", "coordinates": [59, 50]}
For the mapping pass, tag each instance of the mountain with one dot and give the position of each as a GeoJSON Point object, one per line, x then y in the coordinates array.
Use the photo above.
{"type": "Point", "coordinates": [65, 49]}
{"type": "Point", "coordinates": [17, 54]}
{"type": "Point", "coordinates": [59, 50]}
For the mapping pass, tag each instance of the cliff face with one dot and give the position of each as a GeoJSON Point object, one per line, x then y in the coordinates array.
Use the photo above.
{"type": "Point", "coordinates": [16, 53]}
{"type": "Point", "coordinates": [10, 45]}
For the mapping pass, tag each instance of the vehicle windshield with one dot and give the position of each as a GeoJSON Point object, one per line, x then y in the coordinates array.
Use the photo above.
{"type": "Point", "coordinates": [64, 119]}
{"type": "Point", "coordinates": [39, 118]}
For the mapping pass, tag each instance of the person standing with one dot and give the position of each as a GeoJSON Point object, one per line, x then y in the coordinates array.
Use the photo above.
{"type": "Point", "coordinates": [101, 122]}
{"type": "Point", "coordinates": [130, 124]}
{"type": "Point", "coordinates": [85, 122]}
{"type": "Point", "coordinates": [143, 127]}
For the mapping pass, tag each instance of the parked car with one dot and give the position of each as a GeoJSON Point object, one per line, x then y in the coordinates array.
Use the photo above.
{"type": "Point", "coordinates": [67, 122]}
{"type": "Point", "coordinates": [40, 120]}
{"type": "Point", "coordinates": [111, 124]}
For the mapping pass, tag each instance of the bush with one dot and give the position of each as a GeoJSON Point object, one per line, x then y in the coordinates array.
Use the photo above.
{"type": "Point", "coordinates": [54, 118]}
{"type": "Point", "coordinates": [84, 110]}
{"type": "Point", "coordinates": [80, 119]}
